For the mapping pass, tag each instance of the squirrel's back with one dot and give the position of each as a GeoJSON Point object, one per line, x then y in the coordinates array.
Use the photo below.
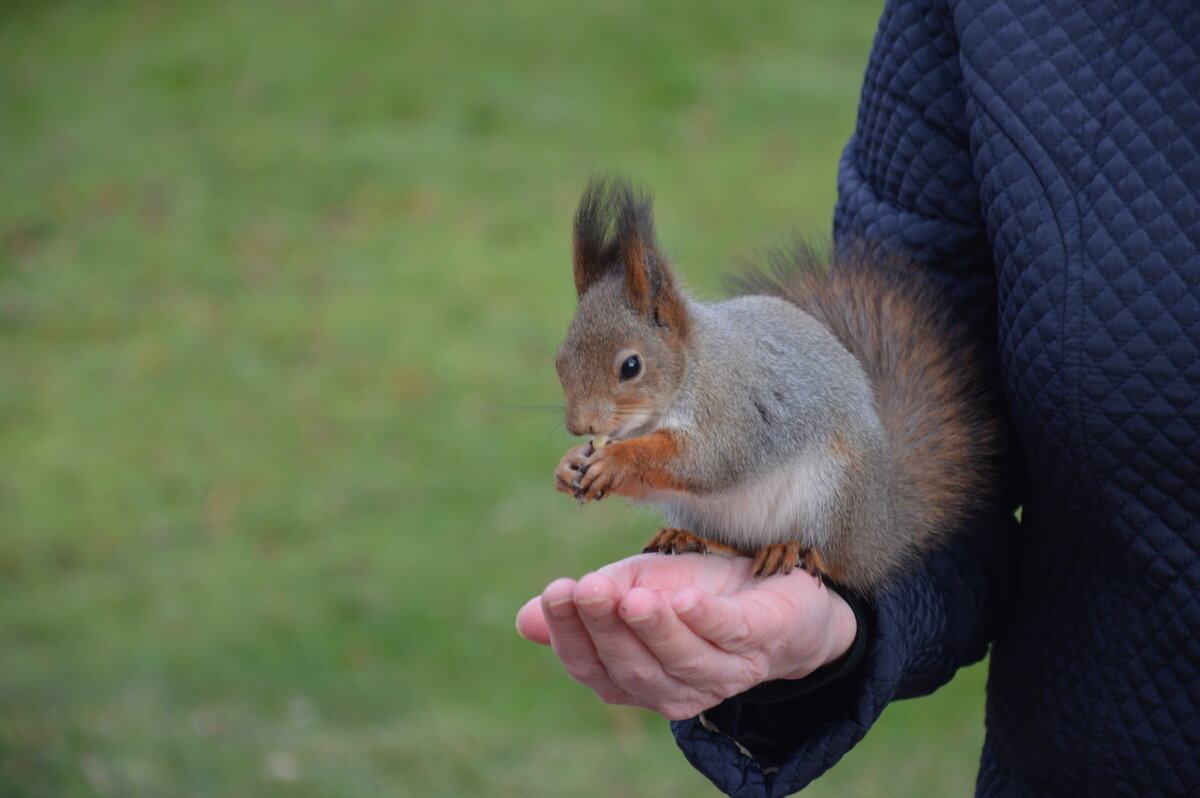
{"type": "Point", "coordinates": [930, 389]}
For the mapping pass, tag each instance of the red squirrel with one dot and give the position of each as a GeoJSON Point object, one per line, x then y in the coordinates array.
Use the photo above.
{"type": "Point", "coordinates": [829, 416]}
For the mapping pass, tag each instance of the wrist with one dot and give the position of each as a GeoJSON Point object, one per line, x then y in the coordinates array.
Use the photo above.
{"type": "Point", "coordinates": [835, 633]}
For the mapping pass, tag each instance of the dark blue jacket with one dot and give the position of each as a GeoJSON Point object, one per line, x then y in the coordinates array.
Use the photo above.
{"type": "Point", "coordinates": [1044, 158]}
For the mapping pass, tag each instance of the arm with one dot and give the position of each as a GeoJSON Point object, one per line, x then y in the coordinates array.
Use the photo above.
{"type": "Point", "coordinates": [907, 181]}
{"type": "Point", "coordinates": [915, 637]}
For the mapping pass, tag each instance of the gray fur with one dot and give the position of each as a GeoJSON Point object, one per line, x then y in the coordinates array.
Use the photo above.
{"type": "Point", "coordinates": [767, 393]}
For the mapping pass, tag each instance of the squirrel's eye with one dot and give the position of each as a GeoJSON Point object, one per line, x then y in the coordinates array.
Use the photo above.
{"type": "Point", "coordinates": [631, 367]}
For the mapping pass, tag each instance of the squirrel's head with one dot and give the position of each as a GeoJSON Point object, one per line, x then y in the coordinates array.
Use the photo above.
{"type": "Point", "coordinates": [624, 357]}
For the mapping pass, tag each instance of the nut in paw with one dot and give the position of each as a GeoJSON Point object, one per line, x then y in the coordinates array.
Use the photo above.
{"type": "Point", "coordinates": [598, 476]}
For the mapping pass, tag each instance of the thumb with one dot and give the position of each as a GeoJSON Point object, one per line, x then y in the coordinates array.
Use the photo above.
{"type": "Point", "coordinates": [531, 623]}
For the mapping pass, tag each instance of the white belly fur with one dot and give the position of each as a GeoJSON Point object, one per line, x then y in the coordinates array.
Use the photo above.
{"type": "Point", "coordinates": [792, 502]}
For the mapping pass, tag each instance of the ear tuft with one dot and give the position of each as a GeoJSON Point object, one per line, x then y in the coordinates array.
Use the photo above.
{"type": "Point", "coordinates": [636, 244]}
{"type": "Point", "coordinates": [614, 229]}
{"type": "Point", "coordinates": [594, 252]}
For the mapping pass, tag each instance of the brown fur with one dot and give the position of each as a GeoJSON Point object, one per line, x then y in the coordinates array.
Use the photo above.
{"type": "Point", "coordinates": [625, 468]}
{"type": "Point", "coordinates": [840, 447]}
{"type": "Point", "coordinates": [647, 459]}
{"type": "Point", "coordinates": [637, 277]}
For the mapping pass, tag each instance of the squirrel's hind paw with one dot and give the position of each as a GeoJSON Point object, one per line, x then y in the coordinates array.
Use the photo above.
{"type": "Point", "coordinates": [678, 541]}
{"type": "Point", "coordinates": [783, 558]}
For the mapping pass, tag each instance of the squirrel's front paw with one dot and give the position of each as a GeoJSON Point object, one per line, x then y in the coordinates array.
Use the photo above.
{"type": "Point", "coordinates": [568, 470]}
{"type": "Point", "coordinates": [599, 475]}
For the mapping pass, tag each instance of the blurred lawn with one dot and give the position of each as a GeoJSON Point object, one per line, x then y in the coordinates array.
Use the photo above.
{"type": "Point", "coordinates": [280, 284]}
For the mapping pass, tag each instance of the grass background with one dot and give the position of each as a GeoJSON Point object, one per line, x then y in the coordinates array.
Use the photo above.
{"type": "Point", "coordinates": [280, 285]}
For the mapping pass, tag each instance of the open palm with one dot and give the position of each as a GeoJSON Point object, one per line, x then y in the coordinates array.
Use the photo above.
{"type": "Point", "coordinates": [678, 634]}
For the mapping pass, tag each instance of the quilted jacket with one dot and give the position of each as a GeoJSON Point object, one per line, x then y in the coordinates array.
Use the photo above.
{"type": "Point", "coordinates": [1043, 157]}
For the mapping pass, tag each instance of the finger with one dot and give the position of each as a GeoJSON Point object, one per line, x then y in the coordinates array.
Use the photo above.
{"type": "Point", "coordinates": [585, 479]}
{"type": "Point", "coordinates": [568, 469]}
{"type": "Point", "coordinates": [683, 654]}
{"type": "Point", "coordinates": [721, 621]}
{"type": "Point", "coordinates": [572, 642]}
{"type": "Point", "coordinates": [598, 477]}
{"type": "Point", "coordinates": [531, 622]}
{"type": "Point", "coordinates": [563, 477]}
{"type": "Point", "coordinates": [630, 665]}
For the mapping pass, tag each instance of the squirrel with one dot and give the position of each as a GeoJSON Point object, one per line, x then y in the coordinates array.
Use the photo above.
{"type": "Point", "coordinates": [829, 416]}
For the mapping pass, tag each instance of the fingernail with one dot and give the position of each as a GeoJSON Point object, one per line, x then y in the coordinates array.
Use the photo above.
{"type": "Point", "coordinates": [646, 621]}
{"type": "Point", "coordinates": [686, 608]}
{"type": "Point", "coordinates": [594, 606]}
{"type": "Point", "coordinates": [561, 608]}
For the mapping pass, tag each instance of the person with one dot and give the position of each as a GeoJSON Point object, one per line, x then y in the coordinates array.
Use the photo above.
{"type": "Point", "coordinates": [1042, 157]}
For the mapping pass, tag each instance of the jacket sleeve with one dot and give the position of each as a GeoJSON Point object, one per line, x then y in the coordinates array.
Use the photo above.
{"type": "Point", "coordinates": [906, 181]}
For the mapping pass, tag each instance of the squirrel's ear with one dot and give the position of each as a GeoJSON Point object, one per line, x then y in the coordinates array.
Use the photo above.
{"type": "Point", "coordinates": [598, 250]}
{"type": "Point", "coordinates": [593, 254]}
{"type": "Point", "coordinates": [649, 282]}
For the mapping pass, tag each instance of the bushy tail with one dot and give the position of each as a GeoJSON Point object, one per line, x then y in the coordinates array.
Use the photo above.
{"type": "Point", "coordinates": [942, 422]}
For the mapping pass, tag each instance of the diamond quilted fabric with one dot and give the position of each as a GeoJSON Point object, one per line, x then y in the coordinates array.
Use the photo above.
{"type": "Point", "coordinates": [1043, 158]}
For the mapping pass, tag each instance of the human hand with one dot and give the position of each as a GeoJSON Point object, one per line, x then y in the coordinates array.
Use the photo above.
{"type": "Point", "coordinates": [678, 634]}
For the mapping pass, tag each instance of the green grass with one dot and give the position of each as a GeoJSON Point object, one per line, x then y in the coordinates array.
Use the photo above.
{"type": "Point", "coordinates": [280, 285]}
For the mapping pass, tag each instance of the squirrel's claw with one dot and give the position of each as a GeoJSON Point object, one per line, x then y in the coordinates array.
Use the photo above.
{"type": "Point", "coordinates": [674, 541]}
{"type": "Point", "coordinates": [566, 475]}
{"type": "Point", "coordinates": [783, 558]}
{"type": "Point", "coordinates": [586, 474]}
{"type": "Point", "coordinates": [680, 541]}
{"type": "Point", "coordinates": [597, 475]}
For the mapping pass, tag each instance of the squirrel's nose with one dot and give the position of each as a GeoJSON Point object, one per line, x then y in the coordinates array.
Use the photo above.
{"type": "Point", "coordinates": [577, 427]}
